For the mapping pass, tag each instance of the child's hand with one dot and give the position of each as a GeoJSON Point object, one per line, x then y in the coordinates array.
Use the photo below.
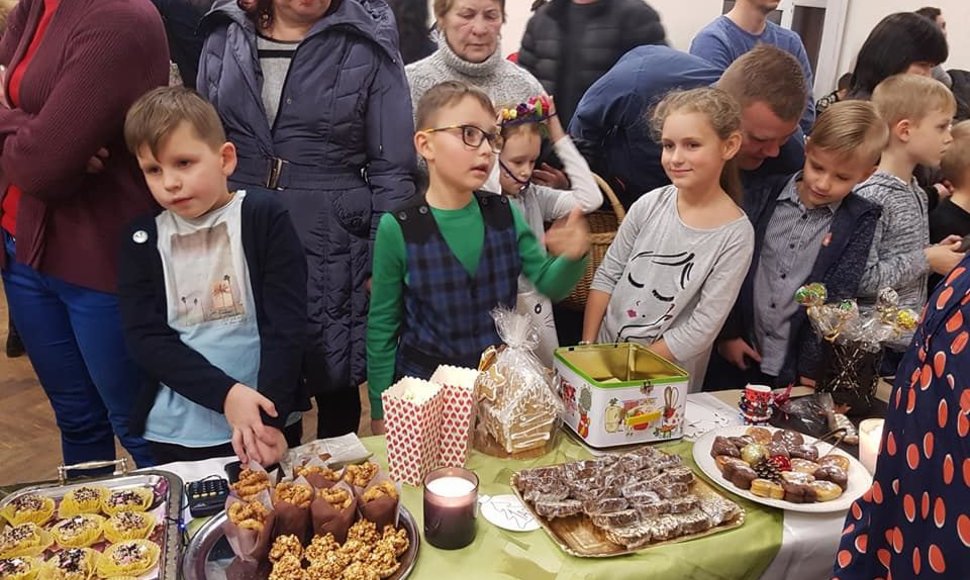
{"type": "Point", "coordinates": [736, 350]}
{"type": "Point", "coordinates": [241, 409]}
{"type": "Point", "coordinates": [554, 124]}
{"type": "Point", "coordinates": [377, 426]}
{"type": "Point", "coordinates": [550, 177]}
{"type": "Point", "coordinates": [569, 237]}
{"type": "Point", "coordinates": [944, 257]}
{"type": "Point", "coordinates": [270, 448]}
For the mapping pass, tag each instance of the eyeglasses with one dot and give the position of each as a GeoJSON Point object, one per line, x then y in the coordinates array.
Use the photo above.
{"type": "Point", "coordinates": [473, 136]}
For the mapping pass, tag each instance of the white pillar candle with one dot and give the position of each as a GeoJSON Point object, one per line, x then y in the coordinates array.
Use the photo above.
{"type": "Point", "coordinates": [870, 435]}
{"type": "Point", "coordinates": [450, 486]}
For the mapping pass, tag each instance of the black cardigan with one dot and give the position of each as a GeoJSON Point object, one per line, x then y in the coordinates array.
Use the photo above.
{"type": "Point", "coordinates": [277, 273]}
{"type": "Point", "coordinates": [839, 265]}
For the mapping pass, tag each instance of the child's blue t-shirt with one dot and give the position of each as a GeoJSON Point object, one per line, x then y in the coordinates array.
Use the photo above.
{"type": "Point", "coordinates": [211, 306]}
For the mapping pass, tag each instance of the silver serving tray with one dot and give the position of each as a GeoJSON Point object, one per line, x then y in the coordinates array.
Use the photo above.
{"type": "Point", "coordinates": [209, 557]}
{"type": "Point", "coordinates": [166, 484]}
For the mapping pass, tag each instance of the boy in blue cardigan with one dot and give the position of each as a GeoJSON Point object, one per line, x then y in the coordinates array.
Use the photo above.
{"type": "Point", "coordinates": [213, 294]}
{"type": "Point", "coordinates": [809, 227]}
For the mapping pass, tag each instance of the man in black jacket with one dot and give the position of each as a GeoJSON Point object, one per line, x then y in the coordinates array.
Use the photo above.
{"type": "Point", "coordinates": [569, 44]}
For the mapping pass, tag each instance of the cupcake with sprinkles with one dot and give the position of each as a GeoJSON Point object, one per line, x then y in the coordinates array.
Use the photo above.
{"type": "Point", "coordinates": [82, 500]}
{"type": "Point", "coordinates": [128, 558]}
{"type": "Point", "coordinates": [80, 531]}
{"type": "Point", "coordinates": [71, 564]}
{"type": "Point", "coordinates": [129, 526]}
{"type": "Point", "coordinates": [24, 540]}
{"type": "Point", "coordinates": [136, 499]}
{"type": "Point", "coordinates": [19, 568]}
{"type": "Point", "coordinates": [29, 507]}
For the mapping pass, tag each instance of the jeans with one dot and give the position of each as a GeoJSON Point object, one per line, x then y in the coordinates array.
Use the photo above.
{"type": "Point", "coordinates": [73, 336]}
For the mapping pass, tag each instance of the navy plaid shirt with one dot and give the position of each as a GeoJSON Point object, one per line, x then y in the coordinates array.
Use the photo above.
{"type": "Point", "coordinates": [446, 311]}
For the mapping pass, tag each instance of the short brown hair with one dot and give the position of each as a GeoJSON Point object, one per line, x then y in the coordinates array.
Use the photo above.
{"type": "Point", "coordinates": [441, 7]}
{"type": "Point", "coordinates": [956, 160]}
{"type": "Point", "coordinates": [722, 112]}
{"type": "Point", "coordinates": [447, 94]}
{"type": "Point", "coordinates": [851, 129]}
{"type": "Point", "coordinates": [770, 75]}
{"type": "Point", "coordinates": [155, 115]}
{"type": "Point", "coordinates": [911, 97]}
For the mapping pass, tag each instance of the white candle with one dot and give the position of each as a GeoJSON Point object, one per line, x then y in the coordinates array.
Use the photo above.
{"type": "Point", "coordinates": [870, 435]}
{"type": "Point", "coordinates": [450, 486]}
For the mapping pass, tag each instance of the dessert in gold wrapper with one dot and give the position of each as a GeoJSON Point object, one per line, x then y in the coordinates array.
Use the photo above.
{"type": "Point", "coordinates": [129, 526]}
{"type": "Point", "coordinates": [19, 568]}
{"type": "Point", "coordinates": [128, 558]}
{"type": "Point", "coordinates": [251, 483]}
{"type": "Point", "coordinates": [71, 564]}
{"type": "Point", "coordinates": [30, 508]}
{"type": "Point", "coordinates": [81, 531]}
{"type": "Point", "coordinates": [82, 500]}
{"type": "Point", "coordinates": [24, 540]}
{"type": "Point", "coordinates": [135, 499]}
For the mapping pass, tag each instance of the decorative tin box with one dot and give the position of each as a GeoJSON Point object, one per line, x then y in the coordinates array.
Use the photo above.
{"type": "Point", "coordinates": [620, 394]}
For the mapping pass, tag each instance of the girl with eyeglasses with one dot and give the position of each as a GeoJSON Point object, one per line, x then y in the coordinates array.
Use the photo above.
{"type": "Point", "coordinates": [523, 127]}
{"type": "Point", "coordinates": [444, 261]}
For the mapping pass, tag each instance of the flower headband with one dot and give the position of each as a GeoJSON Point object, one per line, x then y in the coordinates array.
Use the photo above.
{"type": "Point", "coordinates": [535, 110]}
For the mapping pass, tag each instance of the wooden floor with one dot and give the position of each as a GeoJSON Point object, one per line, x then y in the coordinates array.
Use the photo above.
{"type": "Point", "coordinates": [30, 447]}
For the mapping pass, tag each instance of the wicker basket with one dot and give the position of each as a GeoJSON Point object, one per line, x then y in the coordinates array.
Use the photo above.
{"type": "Point", "coordinates": [603, 225]}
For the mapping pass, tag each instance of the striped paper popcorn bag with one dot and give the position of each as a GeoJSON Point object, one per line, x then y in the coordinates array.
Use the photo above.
{"type": "Point", "coordinates": [458, 387]}
{"type": "Point", "coordinates": [412, 417]}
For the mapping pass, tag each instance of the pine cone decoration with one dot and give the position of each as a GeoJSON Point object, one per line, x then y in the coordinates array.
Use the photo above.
{"type": "Point", "coordinates": [768, 470]}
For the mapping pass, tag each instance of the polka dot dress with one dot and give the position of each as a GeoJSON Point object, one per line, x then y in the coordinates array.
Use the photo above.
{"type": "Point", "coordinates": [914, 522]}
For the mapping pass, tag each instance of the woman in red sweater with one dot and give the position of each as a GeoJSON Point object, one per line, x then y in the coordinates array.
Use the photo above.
{"type": "Point", "coordinates": [67, 188]}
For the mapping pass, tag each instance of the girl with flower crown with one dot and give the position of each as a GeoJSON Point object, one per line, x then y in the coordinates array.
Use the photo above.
{"type": "Point", "coordinates": [523, 127]}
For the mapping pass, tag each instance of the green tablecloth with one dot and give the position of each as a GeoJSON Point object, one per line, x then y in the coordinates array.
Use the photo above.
{"type": "Point", "coordinates": [741, 553]}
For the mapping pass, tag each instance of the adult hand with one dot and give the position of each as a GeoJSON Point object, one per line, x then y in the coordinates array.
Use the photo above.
{"type": "Point", "coordinates": [241, 408]}
{"type": "Point", "coordinates": [944, 257]}
{"type": "Point", "coordinates": [569, 237]}
{"type": "Point", "coordinates": [550, 177]}
{"type": "Point", "coordinates": [944, 191]}
{"type": "Point", "coordinates": [736, 351]}
{"type": "Point", "coordinates": [377, 426]}
{"type": "Point", "coordinates": [96, 163]}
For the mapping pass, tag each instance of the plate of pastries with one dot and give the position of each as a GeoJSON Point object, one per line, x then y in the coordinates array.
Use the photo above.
{"type": "Point", "coordinates": [781, 468]}
{"type": "Point", "coordinates": [92, 531]}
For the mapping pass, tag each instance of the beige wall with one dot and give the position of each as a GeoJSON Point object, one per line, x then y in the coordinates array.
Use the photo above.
{"type": "Point", "coordinates": [683, 18]}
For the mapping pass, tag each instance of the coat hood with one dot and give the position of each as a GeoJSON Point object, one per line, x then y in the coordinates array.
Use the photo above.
{"type": "Point", "coordinates": [371, 19]}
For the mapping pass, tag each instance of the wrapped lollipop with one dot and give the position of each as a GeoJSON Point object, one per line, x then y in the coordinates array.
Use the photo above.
{"type": "Point", "coordinates": [813, 294]}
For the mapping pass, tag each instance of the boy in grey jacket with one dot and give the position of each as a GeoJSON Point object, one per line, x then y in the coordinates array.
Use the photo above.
{"type": "Point", "coordinates": [919, 111]}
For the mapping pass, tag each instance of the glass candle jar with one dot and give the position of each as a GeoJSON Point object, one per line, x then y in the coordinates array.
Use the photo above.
{"type": "Point", "coordinates": [450, 507]}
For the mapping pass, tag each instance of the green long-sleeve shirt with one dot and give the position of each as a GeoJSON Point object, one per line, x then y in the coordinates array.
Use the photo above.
{"type": "Point", "coordinates": [464, 232]}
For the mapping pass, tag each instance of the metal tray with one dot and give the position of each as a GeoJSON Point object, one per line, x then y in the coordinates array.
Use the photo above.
{"type": "Point", "coordinates": [167, 486]}
{"type": "Point", "coordinates": [577, 536]}
{"type": "Point", "coordinates": [209, 557]}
